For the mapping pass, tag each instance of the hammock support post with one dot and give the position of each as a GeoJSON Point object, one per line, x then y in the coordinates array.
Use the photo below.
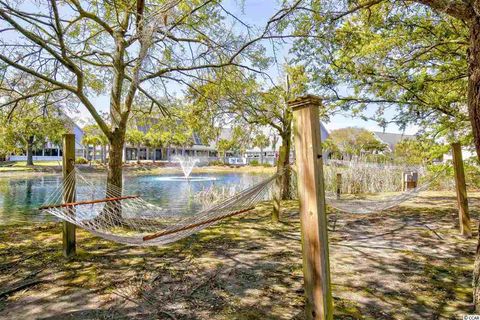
{"type": "Point", "coordinates": [313, 216]}
{"type": "Point", "coordinates": [461, 188]}
{"type": "Point", "coordinates": [69, 242]}
{"type": "Point", "coordinates": [277, 192]}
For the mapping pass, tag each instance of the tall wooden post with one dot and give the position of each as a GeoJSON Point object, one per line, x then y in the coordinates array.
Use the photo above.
{"type": "Point", "coordinates": [69, 243]}
{"type": "Point", "coordinates": [313, 217]}
{"type": "Point", "coordinates": [461, 187]}
{"type": "Point", "coordinates": [277, 192]}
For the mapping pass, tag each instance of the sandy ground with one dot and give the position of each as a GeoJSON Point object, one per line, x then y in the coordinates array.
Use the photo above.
{"type": "Point", "coordinates": [406, 263]}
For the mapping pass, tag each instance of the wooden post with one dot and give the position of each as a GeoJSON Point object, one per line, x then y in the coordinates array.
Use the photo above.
{"type": "Point", "coordinates": [69, 243]}
{"type": "Point", "coordinates": [313, 217]}
{"type": "Point", "coordinates": [461, 187]}
{"type": "Point", "coordinates": [339, 185]}
{"type": "Point", "coordinates": [277, 192]}
{"type": "Point", "coordinates": [415, 179]}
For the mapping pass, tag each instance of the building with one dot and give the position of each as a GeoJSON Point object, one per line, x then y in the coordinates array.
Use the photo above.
{"type": "Point", "coordinates": [270, 154]}
{"type": "Point", "coordinates": [53, 152]}
{"type": "Point", "coordinates": [391, 139]}
{"type": "Point", "coordinates": [195, 149]}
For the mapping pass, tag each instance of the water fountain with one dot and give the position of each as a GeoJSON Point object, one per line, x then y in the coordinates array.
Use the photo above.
{"type": "Point", "coordinates": [187, 164]}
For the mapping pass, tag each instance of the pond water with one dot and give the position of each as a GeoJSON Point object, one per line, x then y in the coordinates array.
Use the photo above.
{"type": "Point", "coordinates": [21, 196]}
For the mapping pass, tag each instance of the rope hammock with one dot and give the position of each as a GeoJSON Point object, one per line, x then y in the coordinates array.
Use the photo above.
{"type": "Point", "coordinates": [380, 185]}
{"type": "Point", "coordinates": [364, 206]}
{"type": "Point", "coordinates": [106, 212]}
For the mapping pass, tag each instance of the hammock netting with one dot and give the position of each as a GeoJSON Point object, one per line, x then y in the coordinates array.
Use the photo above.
{"type": "Point", "coordinates": [371, 187]}
{"type": "Point", "coordinates": [106, 211]}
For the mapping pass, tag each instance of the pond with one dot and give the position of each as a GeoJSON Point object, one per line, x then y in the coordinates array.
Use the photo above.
{"type": "Point", "coordinates": [21, 196]}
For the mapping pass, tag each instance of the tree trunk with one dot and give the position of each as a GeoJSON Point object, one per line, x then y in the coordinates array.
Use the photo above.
{"type": "Point", "coordinates": [261, 155]}
{"type": "Point", "coordinates": [473, 101]}
{"type": "Point", "coordinates": [138, 154]}
{"type": "Point", "coordinates": [30, 141]}
{"type": "Point", "coordinates": [114, 177]}
{"type": "Point", "coordinates": [115, 156]}
{"type": "Point", "coordinates": [94, 153]}
{"type": "Point", "coordinates": [283, 162]}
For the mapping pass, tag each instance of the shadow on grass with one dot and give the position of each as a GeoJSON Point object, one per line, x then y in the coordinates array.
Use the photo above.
{"type": "Point", "coordinates": [384, 266]}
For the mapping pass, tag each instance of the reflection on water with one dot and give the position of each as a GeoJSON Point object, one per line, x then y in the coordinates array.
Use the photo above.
{"type": "Point", "coordinates": [20, 197]}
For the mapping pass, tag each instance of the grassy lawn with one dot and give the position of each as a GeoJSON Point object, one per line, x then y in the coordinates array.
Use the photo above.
{"type": "Point", "coordinates": [407, 263]}
{"type": "Point", "coordinates": [13, 168]}
{"type": "Point", "coordinates": [130, 167]}
{"type": "Point", "coordinates": [22, 166]}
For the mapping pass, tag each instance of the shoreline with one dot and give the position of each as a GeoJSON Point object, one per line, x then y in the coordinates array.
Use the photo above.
{"type": "Point", "coordinates": [141, 169]}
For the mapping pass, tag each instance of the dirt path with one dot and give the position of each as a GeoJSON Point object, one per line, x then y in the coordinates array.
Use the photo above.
{"type": "Point", "coordinates": [407, 263]}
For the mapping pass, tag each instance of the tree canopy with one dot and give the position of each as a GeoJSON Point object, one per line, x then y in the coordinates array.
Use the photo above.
{"type": "Point", "coordinates": [30, 127]}
{"type": "Point", "coordinates": [130, 51]}
{"type": "Point", "coordinates": [348, 142]}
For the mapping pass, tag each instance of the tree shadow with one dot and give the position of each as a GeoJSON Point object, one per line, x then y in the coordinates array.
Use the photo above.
{"type": "Point", "coordinates": [384, 266]}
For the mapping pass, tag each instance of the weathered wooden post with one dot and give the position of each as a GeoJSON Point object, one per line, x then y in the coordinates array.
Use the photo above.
{"type": "Point", "coordinates": [339, 185]}
{"type": "Point", "coordinates": [313, 217]}
{"type": "Point", "coordinates": [409, 180]}
{"type": "Point", "coordinates": [69, 243]}
{"type": "Point", "coordinates": [277, 193]}
{"type": "Point", "coordinates": [461, 187]}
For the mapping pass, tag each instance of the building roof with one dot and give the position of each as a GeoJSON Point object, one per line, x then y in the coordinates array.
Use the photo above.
{"type": "Point", "coordinates": [392, 139]}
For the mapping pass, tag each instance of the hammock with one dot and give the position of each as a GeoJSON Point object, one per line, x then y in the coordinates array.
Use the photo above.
{"type": "Point", "coordinates": [364, 206]}
{"type": "Point", "coordinates": [128, 219]}
{"type": "Point", "coordinates": [381, 185]}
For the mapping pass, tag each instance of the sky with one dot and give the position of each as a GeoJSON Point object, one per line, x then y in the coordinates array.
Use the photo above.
{"type": "Point", "coordinates": [257, 13]}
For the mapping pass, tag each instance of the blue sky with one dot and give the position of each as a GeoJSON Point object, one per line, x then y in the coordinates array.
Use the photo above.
{"type": "Point", "coordinates": [257, 13]}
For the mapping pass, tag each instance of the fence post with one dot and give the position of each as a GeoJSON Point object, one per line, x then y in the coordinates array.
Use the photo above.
{"type": "Point", "coordinates": [313, 217]}
{"type": "Point", "coordinates": [461, 187]}
{"type": "Point", "coordinates": [69, 243]}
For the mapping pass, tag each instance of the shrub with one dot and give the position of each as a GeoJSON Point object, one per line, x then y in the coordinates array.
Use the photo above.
{"type": "Point", "coordinates": [215, 163]}
{"type": "Point", "coordinates": [81, 160]}
{"type": "Point", "coordinates": [267, 165]}
{"type": "Point", "coordinates": [254, 163]}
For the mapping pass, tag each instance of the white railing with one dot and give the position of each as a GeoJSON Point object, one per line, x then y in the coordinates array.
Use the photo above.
{"type": "Point", "coordinates": [35, 158]}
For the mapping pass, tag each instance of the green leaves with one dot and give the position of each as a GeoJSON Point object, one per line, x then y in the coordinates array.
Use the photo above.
{"type": "Point", "coordinates": [392, 56]}
{"type": "Point", "coordinates": [93, 136]}
{"type": "Point", "coordinates": [349, 142]}
{"type": "Point", "coordinates": [30, 120]}
{"type": "Point", "coordinates": [134, 137]}
{"type": "Point", "coordinates": [261, 141]}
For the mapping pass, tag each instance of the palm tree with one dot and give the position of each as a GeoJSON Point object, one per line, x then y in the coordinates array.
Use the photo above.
{"type": "Point", "coordinates": [135, 137]}
{"type": "Point", "coordinates": [261, 141]}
